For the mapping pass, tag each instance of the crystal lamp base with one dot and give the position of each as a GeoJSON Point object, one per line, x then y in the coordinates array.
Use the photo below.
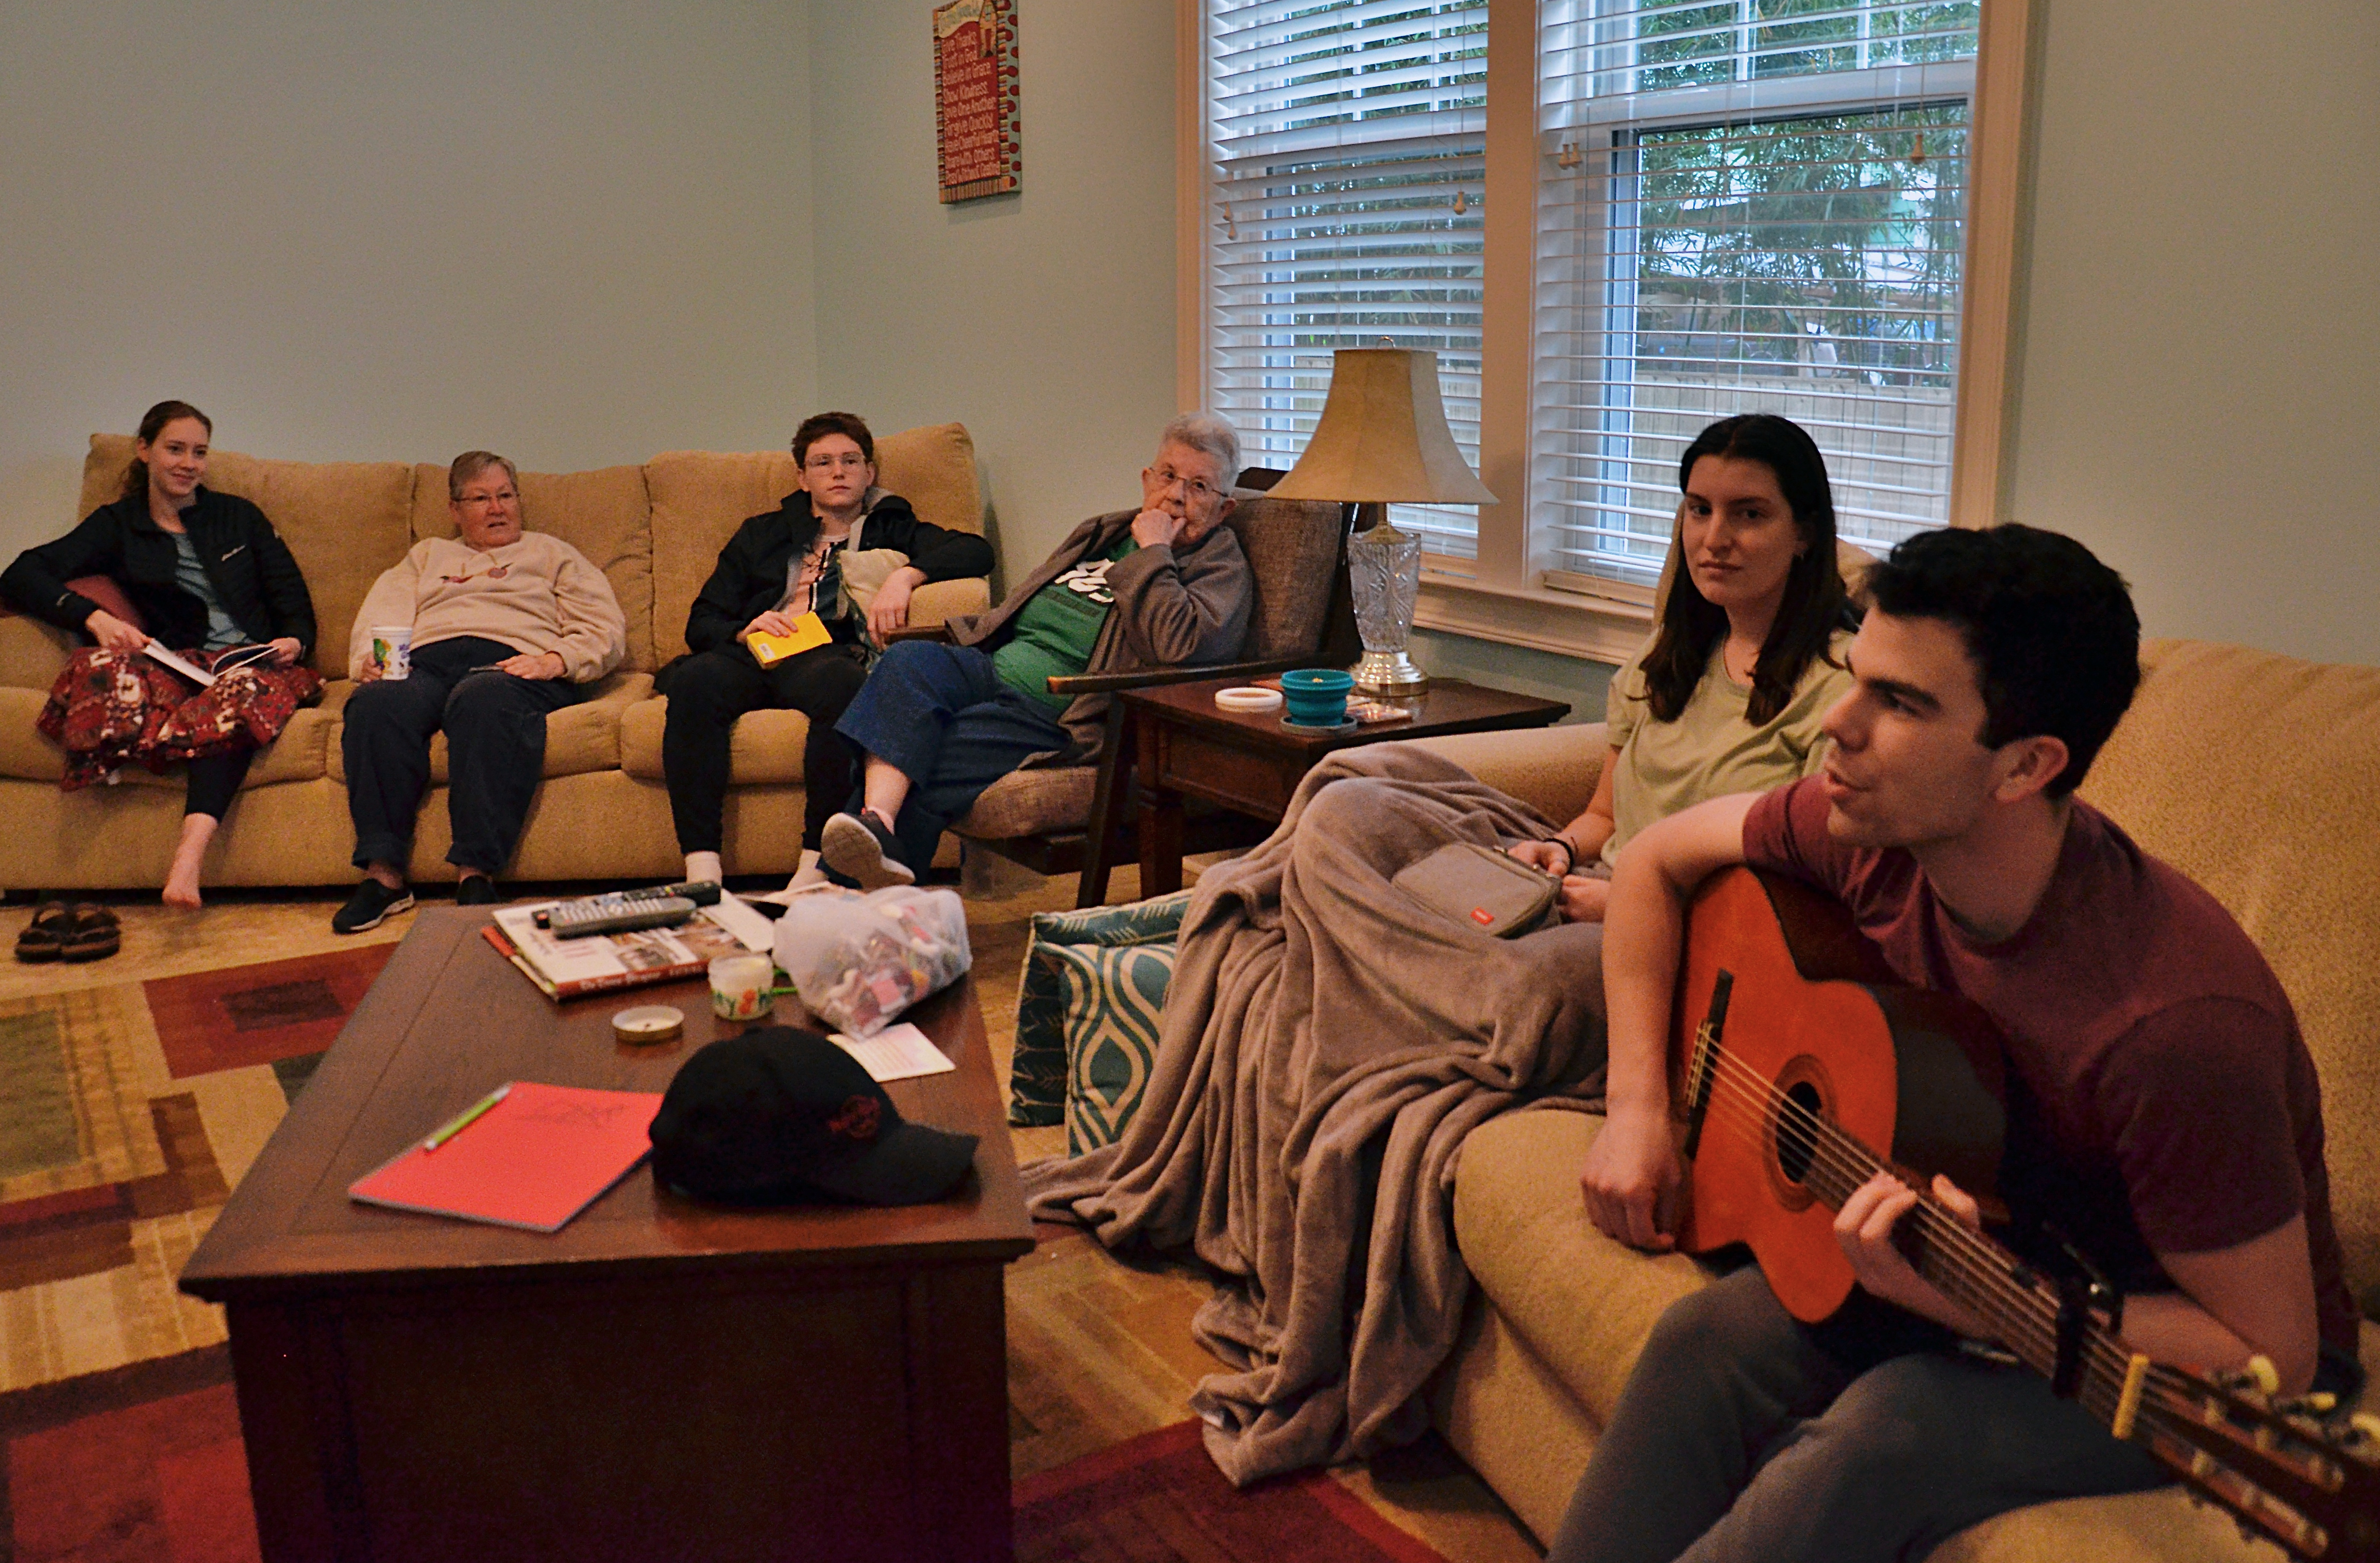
{"type": "Point", "coordinates": [1389, 673]}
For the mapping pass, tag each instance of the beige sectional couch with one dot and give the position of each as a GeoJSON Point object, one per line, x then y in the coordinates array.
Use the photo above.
{"type": "Point", "coordinates": [602, 812]}
{"type": "Point", "coordinates": [2256, 774]}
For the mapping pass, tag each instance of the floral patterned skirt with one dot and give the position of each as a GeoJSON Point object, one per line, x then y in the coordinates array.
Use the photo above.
{"type": "Point", "coordinates": [110, 709]}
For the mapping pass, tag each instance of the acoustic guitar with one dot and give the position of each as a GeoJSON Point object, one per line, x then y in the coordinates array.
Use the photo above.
{"type": "Point", "coordinates": [1794, 1050]}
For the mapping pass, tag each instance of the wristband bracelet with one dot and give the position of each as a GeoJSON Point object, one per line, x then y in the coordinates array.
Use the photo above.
{"type": "Point", "coordinates": [1570, 853]}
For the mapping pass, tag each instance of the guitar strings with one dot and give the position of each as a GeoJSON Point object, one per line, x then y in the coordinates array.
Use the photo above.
{"type": "Point", "coordinates": [1971, 1260]}
{"type": "Point", "coordinates": [1964, 1251]}
{"type": "Point", "coordinates": [2030, 1314]}
{"type": "Point", "coordinates": [1958, 1246]}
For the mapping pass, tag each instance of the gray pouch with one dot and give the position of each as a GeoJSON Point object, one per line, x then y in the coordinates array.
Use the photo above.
{"type": "Point", "coordinates": [1478, 885]}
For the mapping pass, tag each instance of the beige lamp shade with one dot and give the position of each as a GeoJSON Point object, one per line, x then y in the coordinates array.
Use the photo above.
{"type": "Point", "coordinates": [1383, 438]}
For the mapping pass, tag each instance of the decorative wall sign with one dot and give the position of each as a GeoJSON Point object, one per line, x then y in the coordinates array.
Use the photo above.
{"type": "Point", "coordinates": [978, 150]}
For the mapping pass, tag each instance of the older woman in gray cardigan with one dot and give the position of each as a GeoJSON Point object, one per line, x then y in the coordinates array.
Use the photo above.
{"type": "Point", "coordinates": [936, 724]}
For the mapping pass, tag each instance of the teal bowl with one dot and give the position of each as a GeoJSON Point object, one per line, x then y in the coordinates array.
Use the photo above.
{"type": "Point", "coordinates": [1317, 696]}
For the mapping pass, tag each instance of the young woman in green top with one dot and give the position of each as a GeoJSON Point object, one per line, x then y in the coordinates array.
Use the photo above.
{"type": "Point", "coordinates": [1728, 694]}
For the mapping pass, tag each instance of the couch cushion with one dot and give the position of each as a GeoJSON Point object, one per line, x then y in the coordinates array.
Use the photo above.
{"type": "Point", "coordinates": [1036, 1073]}
{"type": "Point", "coordinates": [763, 746]}
{"type": "Point", "coordinates": [1026, 803]}
{"type": "Point", "coordinates": [1582, 1302]}
{"type": "Point", "coordinates": [604, 513]}
{"type": "Point", "coordinates": [2291, 853]}
{"type": "Point", "coordinates": [698, 500]}
{"type": "Point", "coordinates": [932, 467]}
{"type": "Point", "coordinates": [24, 753]}
{"type": "Point", "coordinates": [700, 497]}
{"type": "Point", "coordinates": [578, 739]}
{"type": "Point", "coordinates": [32, 654]}
{"type": "Point", "coordinates": [345, 522]}
{"type": "Point", "coordinates": [1553, 769]}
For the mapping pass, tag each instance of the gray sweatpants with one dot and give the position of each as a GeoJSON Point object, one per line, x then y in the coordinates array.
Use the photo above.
{"type": "Point", "coordinates": [1744, 1434]}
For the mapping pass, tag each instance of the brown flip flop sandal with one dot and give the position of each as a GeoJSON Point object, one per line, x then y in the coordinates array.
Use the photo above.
{"type": "Point", "coordinates": [94, 936]}
{"type": "Point", "coordinates": [42, 939]}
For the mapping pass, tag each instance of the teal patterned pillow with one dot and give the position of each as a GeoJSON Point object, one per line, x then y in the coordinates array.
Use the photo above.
{"type": "Point", "coordinates": [1116, 997]}
{"type": "Point", "coordinates": [1037, 1088]}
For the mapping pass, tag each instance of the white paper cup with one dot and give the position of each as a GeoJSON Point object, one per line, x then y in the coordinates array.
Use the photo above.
{"type": "Point", "coordinates": [740, 985]}
{"type": "Point", "coordinates": [393, 649]}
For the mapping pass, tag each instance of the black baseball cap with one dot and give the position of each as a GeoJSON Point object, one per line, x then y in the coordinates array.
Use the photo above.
{"type": "Point", "coordinates": [778, 1115]}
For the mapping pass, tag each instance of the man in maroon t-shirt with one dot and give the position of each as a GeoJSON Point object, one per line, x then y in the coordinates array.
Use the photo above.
{"type": "Point", "coordinates": [2163, 1111]}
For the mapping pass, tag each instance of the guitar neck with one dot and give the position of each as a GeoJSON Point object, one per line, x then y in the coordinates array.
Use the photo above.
{"type": "Point", "coordinates": [2185, 1424]}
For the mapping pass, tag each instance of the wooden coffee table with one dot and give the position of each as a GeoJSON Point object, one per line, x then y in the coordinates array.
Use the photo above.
{"type": "Point", "coordinates": [1250, 763]}
{"type": "Point", "coordinates": [660, 1378]}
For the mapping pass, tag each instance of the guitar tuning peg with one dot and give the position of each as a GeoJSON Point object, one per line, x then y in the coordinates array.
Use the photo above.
{"type": "Point", "coordinates": [2365, 1422]}
{"type": "Point", "coordinates": [2267, 1376]}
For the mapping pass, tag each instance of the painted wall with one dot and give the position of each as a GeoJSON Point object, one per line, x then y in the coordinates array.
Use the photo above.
{"type": "Point", "coordinates": [2199, 389]}
{"type": "Point", "coordinates": [575, 234]}
{"type": "Point", "coordinates": [1042, 321]}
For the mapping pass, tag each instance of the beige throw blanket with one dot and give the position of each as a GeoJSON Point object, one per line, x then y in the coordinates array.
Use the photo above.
{"type": "Point", "coordinates": [1328, 1042]}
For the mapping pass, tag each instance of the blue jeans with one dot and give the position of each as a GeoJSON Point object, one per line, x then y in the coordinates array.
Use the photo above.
{"type": "Point", "coordinates": [943, 716]}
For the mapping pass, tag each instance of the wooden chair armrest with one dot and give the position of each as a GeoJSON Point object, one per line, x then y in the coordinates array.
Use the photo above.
{"type": "Point", "coordinates": [1151, 678]}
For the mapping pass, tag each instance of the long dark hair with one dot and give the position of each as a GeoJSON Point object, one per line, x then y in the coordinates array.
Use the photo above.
{"type": "Point", "coordinates": [153, 423]}
{"type": "Point", "coordinates": [1814, 603]}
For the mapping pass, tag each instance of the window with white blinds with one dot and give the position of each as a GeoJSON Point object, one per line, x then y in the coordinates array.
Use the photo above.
{"type": "Point", "coordinates": [1346, 164]}
{"type": "Point", "coordinates": [1744, 206]}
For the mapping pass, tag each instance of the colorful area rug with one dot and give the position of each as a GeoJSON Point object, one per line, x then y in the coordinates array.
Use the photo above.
{"type": "Point", "coordinates": [128, 1111]}
{"type": "Point", "coordinates": [1159, 1499]}
{"type": "Point", "coordinates": [126, 1114]}
{"type": "Point", "coordinates": [144, 1466]}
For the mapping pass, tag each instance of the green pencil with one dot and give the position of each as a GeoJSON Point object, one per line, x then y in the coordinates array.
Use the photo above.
{"type": "Point", "coordinates": [462, 1120]}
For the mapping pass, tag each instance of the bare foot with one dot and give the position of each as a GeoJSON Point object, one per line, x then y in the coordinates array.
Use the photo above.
{"type": "Point", "coordinates": [182, 879]}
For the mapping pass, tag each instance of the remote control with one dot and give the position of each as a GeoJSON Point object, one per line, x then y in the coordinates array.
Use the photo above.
{"type": "Point", "coordinates": [626, 911]}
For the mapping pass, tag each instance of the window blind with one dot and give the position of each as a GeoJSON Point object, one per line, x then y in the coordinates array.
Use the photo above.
{"type": "Point", "coordinates": [1346, 144]}
{"type": "Point", "coordinates": [1745, 206]}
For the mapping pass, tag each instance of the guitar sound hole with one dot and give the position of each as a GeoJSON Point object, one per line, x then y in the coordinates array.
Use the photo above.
{"type": "Point", "coordinates": [1795, 1144]}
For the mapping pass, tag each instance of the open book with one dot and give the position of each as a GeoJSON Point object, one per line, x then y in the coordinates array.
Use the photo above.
{"type": "Point", "coordinates": [238, 656]}
{"type": "Point", "coordinates": [564, 968]}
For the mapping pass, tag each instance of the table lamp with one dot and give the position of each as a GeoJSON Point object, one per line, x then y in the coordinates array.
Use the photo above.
{"type": "Point", "coordinates": [1383, 440]}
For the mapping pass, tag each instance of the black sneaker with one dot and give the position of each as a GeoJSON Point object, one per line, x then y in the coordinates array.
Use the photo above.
{"type": "Point", "coordinates": [371, 902]}
{"type": "Point", "coordinates": [476, 889]}
{"type": "Point", "coordinates": [859, 847]}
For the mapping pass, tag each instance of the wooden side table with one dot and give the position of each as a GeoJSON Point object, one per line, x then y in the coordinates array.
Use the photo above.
{"type": "Point", "coordinates": [1250, 763]}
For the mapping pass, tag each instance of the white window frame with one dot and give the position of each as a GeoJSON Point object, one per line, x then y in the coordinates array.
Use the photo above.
{"type": "Point", "coordinates": [1496, 596]}
{"type": "Point", "coordinates": [1578, 138]}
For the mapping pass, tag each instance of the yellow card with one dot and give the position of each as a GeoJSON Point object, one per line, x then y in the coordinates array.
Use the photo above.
{"type": "Point", "coordinates": [767, 649]}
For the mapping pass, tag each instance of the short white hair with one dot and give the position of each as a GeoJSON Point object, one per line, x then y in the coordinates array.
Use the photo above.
{"type": "Point", "coordinates": [1209, 432]}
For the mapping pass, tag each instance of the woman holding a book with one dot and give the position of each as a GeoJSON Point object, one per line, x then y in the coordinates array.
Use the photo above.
{"type": "Point", "coordinates": [191, 572]}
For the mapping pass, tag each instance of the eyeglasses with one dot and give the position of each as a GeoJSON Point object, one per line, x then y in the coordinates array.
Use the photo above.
{"type": "Point", "coordinates": [826, 463]}
{"type": "Point", "coordinates": [1198, 488]}
{"type": "Point", "coordinates": [482, 501]}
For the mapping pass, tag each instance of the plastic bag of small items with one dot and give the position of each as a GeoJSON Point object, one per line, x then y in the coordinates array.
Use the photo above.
{"type": "Point", "coordinates": [857, 961]}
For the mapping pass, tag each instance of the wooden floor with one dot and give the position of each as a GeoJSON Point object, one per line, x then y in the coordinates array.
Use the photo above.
{"type": "Point", "coordinates": [1099, 1345]}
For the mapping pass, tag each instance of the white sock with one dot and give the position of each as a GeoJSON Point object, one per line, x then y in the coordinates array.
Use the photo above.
{"type": "Point", "coordinates": [811, 872]}
{"type": "Point", "coordinates": [701, 866]}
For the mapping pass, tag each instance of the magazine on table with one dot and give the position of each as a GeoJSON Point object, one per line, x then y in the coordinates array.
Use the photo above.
{"type": "Point", "coordinates": [564, 968]}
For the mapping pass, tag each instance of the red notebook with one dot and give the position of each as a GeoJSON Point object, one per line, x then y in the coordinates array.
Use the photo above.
{"type": "Point", "coordinates": [533, 1161]}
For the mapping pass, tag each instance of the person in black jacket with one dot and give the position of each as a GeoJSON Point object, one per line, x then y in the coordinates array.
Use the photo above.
{"type": "Point", "coordinates": [780, 567]}
{"type": "Point", "coordinates": [205, 572]}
